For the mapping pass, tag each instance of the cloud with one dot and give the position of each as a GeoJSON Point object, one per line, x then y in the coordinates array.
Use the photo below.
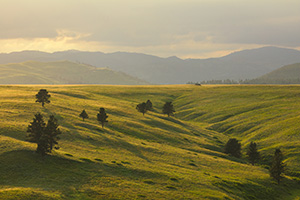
{"type": "Point", "coordinates": [190, 45]}
{"type": "Point", "coordinates": [183, 28]}
{"type": "Point", "coordinates": [64, 40]}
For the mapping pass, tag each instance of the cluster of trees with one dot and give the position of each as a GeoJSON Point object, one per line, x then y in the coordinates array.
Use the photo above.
{"type": "Point", "coordinates": [277, 167]}
{"type": "Point", "coordinates": [272, 81]}
{"type": "Point", "coordinates": [167, 109]}
{"type": "Point", "coordinates": [248, 81]}
{"type": "Point", "coordinates": [101, 116]}
{"type": "Point", "coordinates": [144, 107]}
{"type": "Point", "coordinates": [44, 135]}
{"type": "Point", "coordinates": [226, 81]}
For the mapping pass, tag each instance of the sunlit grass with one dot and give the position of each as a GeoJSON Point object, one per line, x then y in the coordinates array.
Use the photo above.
{"type": "Point", "coordinates": [151, 156]}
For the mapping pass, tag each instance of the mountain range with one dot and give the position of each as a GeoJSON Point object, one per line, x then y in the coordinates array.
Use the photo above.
{"type": "Point", "coordinates": [246, 64]}
{"type": "Point", "coordinates": [62, 72]}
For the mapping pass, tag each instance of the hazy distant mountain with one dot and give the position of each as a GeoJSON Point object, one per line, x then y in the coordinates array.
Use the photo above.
{"type": "Point", "coordinates": [247, 64]}
{"type": "Point", "coordinates": [62, 72]}
{"type": "Point", "coordinates": [288, 74]}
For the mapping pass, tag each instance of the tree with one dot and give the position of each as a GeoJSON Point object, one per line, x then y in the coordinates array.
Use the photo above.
{"type": "Point", "coordinates": [168, 108]}
{"type": "Point", "coordinates": [252, 153]}
{"type": "Point", "coordinates": [52, 131]}
{"type": "Point", "coordinates": [45, 136]}
{"type": "Point", "coordinates": [84, 115]}
{"type": "Point", "coordinates": [142, 107]}
{"type": "Point", "coordinates": [149, 105]}
{"type": "Point", "coordinates": [42, 97]}
{"type": "Point", "coordinates": [277, 166]}
{"type": "Point", "coordinates": [233, 147]}
{"type": "Point", "coordinates": [36, 132]}
{"type": "Point", "coordinates": [102, 116]}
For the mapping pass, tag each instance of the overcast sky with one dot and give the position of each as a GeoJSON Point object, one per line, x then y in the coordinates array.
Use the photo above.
{"type": "Point", "coordinates": [183, 28]}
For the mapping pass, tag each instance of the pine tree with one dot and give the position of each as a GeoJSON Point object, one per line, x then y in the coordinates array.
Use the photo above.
{"type": "Point", "coordinates": [277, 166]}
{"type": "Point", "coordinates": [52, 131]}
{"type": "Point", "coordinates": [149, 105]}
{"type": "Point", "coordinates": [252, 153]}
{"type": "Point", "coordinates": [233, 147]}
{"type": "Point", "coordinates": [42, 97]}
{"type": "Point", "coordinates": [168, 109]}
{"type": "Point", "coordinates": [102, 116]}
{"type": "Point", "coordinates": [84, 115]}
{"type": "Point", "coordinates": [142, 107]}
{"type": "Point", "coordinates": [45, 136]}
{"type": "Point", "coordinates": [36, 130]}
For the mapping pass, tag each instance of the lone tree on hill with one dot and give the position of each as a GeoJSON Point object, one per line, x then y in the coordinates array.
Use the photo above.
{"type": "Point", "coordinates": [102, 116]}
{"type": "Point", "coordinates": [149, 105]}
{"type": "Point", "coordinates": [84, 115]}
{"type": "Point", "coordinates": [168, 109]}
{"type": "Point", "coordinates": [252, 153]}
{"type": "Point", "coordinates": [45, 136]}
{"type": "Point", "coordinates": [233, 147]}
{"type": "Point", "coordinates": [277, 166]}
{"type": "Point", "coordinates": [42, 97]}
{"type": "Point", "coordinates": [142, 107]}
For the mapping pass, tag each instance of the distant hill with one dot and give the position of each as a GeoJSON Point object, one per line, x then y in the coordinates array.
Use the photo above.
{"type": "Point", "coordinates": [247, 64]}
{"type": "Point", "coordinates": [62, 72]}
{"type": "Point", "coordinates": [289, 74]}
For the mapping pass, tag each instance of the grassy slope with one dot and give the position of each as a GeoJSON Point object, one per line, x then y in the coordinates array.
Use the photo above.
{"type": "Point", "coordinates": [289, 74]}
{"type": "Point", "coordinates": [286, 72]}
{"type": "Point", "coordinates": [62, 72]}
{"type": "Point", "coordinates": [269, 115]}
{"type": "Point", "coordinates": [151, 157]}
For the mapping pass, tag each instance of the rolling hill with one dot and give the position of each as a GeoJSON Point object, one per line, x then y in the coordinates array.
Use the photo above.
{"type": "Point", "coordinates": [151, 156]}
{"type": "Point", "coordinates": [289, 74]}
{"type": "Point", "coordinates": [62, 72]}
{"type": "Point", "coordinates": [246, 64]}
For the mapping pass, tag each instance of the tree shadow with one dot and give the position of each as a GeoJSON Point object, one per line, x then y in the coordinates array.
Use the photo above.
{"type": "Point", "coordinates": [171, 119]}
{"type": "Point", "coordinates": [255, 188]}
{"type": "Point", "coordinates": [115, 142]}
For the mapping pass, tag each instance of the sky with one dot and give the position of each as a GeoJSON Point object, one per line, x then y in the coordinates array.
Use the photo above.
{"type": "Point", "coordinates": [182, 28]}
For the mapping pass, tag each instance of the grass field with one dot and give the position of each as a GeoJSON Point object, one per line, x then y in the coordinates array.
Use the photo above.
{"type": "Point", "coordinates": [151, 156]}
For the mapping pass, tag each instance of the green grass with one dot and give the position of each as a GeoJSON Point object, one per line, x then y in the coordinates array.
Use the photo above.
{"type": "Point", "coordinates": [151, 156]}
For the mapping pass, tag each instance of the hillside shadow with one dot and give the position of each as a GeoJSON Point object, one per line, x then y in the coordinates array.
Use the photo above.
{"type": "Point", "coordinates": [162, 125]}
{"type": "Point", "coordinates": [24, 168]}
{"type": "Point", "coordinates": [71, 94]}
{"type": "Point", "coordinates": [115, 142]}
{"type": "Point", "coordinates": [171, 119]}
{"type": "Point", "coordinates": [120, 143]}
{"type": "Point", "coordinates": [258, 189]}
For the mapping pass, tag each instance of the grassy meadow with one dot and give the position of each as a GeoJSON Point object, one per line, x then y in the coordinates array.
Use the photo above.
{"type": "Point", "coordinates": [151, 156]}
